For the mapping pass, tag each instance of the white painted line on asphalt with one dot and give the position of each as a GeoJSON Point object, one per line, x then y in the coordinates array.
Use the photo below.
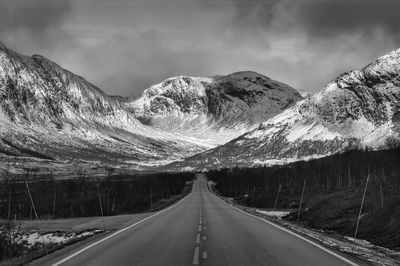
{"type": "Point", "coordinates": [116, 233]}
{"type": "Point", "coordinates": [204, 238]}
{"type": "Point", "coordinates": [204, 255]}
{"type": "Point", "coordinates": [199, 228]}
{"type": "Point", "coordinates": [294, 234]}
{"type": "Point", "coordinates": [196, 256]}
{"type": "Point", "coordinates": [198, 238]}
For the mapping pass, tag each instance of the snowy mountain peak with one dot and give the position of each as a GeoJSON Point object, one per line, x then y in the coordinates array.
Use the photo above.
{"type": "Point", "coordinates": [356, 110]}
{"type": "Point", "coordinates": [49, 112]}
{"type": "Point", "coordinates": [239, 100]}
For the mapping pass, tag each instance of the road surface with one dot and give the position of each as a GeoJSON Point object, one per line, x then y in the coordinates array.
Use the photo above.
{"type": "Point", "coordinates": [201, 230]}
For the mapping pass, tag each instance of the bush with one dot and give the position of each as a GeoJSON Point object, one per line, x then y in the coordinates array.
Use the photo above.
{"type": "Point", "coordinates": [8, 247]}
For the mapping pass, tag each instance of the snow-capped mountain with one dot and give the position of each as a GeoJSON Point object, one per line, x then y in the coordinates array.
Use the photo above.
{"type": "Point", "coordinates": [212, 110]}
{"type": "Point", "coordinates": [359, 109]}
{"type": "Point", "coordinates": [47, 112]}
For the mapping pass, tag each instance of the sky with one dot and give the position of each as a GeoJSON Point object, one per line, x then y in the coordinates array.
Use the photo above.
{"type": "Point", "coordinates": [125, 46]}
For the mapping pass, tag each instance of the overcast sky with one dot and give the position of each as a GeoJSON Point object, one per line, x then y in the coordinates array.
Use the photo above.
{"type": "Point", "coordinates": [125, 46]}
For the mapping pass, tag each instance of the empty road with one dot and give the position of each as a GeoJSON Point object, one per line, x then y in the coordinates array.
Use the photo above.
{"type": "Point", "coordinates": [201, 230]}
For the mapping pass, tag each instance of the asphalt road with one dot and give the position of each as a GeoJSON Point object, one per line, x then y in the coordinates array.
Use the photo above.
{"type": "Point", "coordinates": [201, 230]}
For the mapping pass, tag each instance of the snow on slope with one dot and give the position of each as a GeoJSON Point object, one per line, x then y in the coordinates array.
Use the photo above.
{"type": "Point", "coordinates": [47, 112]}
{"type": "Point", "coordinates": [214, 110]}
{"type": "Point", "coordinates": [358, 109]}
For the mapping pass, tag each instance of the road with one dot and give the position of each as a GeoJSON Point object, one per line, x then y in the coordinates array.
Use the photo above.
{"type": "Point", "coordinates": [201, 230]}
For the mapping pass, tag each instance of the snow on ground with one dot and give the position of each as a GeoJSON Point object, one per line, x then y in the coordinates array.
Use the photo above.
{"type": "Point", "coordinates": [311, 132]}
{"type": "Point", "coordinates": [277, 214]}
{"type": "Point", "coordinates": [33, 238]}
{"type": "Point", "coordinates": [283, 161]}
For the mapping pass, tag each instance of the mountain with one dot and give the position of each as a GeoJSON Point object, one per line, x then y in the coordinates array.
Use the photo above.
{"type": "Point", "coordinates": [359, 109]}
{"type": "Point", "coordinates": [51, 117]}
{"type": "Point", "coordinates": [212, 110]}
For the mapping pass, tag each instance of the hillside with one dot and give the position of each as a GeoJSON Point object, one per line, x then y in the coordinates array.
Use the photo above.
{"type": "Point", "coordinates": [357, 110]}
{"type": "Point", "coordinates": [49, 116]}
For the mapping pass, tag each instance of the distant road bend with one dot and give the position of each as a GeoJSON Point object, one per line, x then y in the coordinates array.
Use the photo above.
{"type": "Point", "coordinates": [202, 229]}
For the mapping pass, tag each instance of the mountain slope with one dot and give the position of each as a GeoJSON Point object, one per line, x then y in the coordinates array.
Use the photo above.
{"type": "Point", "coordinates": [48, 113]}
{"type": "Point", "coordinates": [358, 109]}
{"type": "Point", "coordinates": [213, 110]}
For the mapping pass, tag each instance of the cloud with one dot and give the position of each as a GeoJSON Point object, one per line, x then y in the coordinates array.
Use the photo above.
{"type": "Point", "coordinates": [125, 46]}
{"type": "Point", "coordinates": [37, 23]}
{"type": "Point", "coordinates": [327, 18]}
{"type": "Point", "coordinates": [316, 40]}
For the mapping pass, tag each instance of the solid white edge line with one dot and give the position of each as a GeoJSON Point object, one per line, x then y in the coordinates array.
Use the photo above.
{"type": "Point", "coordinates": [116, 233]}
{"type": "Point", "coordinates": [294, 234]}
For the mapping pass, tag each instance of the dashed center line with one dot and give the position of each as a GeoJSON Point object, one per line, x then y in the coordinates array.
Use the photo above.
{"type": "Point", "coordinates": [196, 256]}
{"type": "Point", "coordinates": [204, 254]}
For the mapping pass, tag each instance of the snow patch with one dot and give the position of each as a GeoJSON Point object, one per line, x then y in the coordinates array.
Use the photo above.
{"type": "Point", "coordinates": [277, 214]}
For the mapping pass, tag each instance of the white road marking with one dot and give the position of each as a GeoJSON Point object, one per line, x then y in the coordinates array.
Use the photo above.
{"type": "Point", "coordinates": [294, 234]}
{"type": "Point", "coordinates": [196, 256]}
{"type": "Point", "coordinates": [200, 222]}
{"type": "Point", "coordinates": [204, 238]}
{"type": "Point", "coordinates": [198, 238]}
{"type": "Point", "coordinates": [204, 255]}
{"type": "Point", "coordinates": [116, 233]}
{"type": "Point", "coordinates": [199, 228]}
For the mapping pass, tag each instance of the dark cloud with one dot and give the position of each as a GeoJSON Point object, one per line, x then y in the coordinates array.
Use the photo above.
{"type": "Point", "coordinates": [254, 14]}
{"type": "Point", "coordinates": [32, 15]}
{"type": "Point", "coordinates": [328, 18]}
{"type": "Point", "coordinates": [37, 22]}
{"type": "Point", "coordinates": [124, 46]}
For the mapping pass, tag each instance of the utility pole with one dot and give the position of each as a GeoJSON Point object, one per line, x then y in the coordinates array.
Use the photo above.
{"type": "Point", "coordinates": [151, 198]}
{"type": "Point", "coordinates": [101, 207]}
{"type": "Point", "coordinates": [362, 205]}
{"type": "Point", "coordinates": [277, 195]}
{"type": "Point", "coordinates": [54, 200]}
{"type": "Point", "coordinates": [9, 201]}
{"type": "Point", "coordinates": [34, 210]}
{"type": "Point", "coordinates": [301, 200]}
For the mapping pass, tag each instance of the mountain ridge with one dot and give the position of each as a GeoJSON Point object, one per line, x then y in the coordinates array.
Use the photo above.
{"type": "Point", "coordinates": [358, 109]}
{"type": "Point", "coordinates": [47, 110]}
